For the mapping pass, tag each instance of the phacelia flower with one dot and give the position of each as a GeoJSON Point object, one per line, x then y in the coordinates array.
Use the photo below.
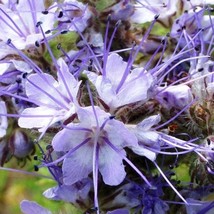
{"type": "Point", "coordinates": [118, 86]}
{"type": "Point", "coordinates": [56, 100]}
{"type": "Point", "coordinates": [21, 30]}
{"type": "Point", "coordinates": [93, 139]}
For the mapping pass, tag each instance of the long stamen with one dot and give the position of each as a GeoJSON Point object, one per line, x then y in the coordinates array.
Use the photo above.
{"type": "Point", "coordinates": [25, 172]}
{"type": "Point", "coordinates": [18, 31]}
{"type": "Point", "coordinates": [170, 184]}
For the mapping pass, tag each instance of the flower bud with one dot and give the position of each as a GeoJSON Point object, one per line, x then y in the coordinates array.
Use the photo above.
{"type": "Point", "coordinates": [19, 143]}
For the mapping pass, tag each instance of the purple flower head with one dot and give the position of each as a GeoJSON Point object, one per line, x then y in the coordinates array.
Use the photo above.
{"type": "Point", "coordinates": [92, 139]}
{"type": "Point", "coordinates": [23, 32]}
{"type": "Point", "coordinates": [56, 100]}
{"type": "Point", "coordinates": [118, 86]}
{"type": "Point", "coordinates": [31, 207]}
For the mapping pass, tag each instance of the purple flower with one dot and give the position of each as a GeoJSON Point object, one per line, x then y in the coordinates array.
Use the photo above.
{"type": "Point", "coordinates": [92, 138]}
{"type": "Point", "coordinates": [21, 30]}
{"type": "Point", "coordinates": [118, 86]}
{"type": "Point", "coordinates": [56, 100]}
{"type": "Point", "coordinates": [31, 207]}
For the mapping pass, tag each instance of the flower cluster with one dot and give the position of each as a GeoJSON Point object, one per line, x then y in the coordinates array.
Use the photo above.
{"type": "Point", "coordinates": [125, 95]}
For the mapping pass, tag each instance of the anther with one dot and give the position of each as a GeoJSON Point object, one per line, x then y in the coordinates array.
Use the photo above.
{"type": "Point", "coordinates": [60, 14]}
{"type": "Point", "coordinates": [24, 75]}
{"type": "Point", "coordinates": [172, 174]}
{"type": "Point", "coordinates": [156, 16]}
{"type": "Point", "coordinates": [47, 32]}
{"type": "Point", "coordinates": [19, 80]}
{"type": "Point", "coordinates": [208, 141]}
{"type": "Point", "coordinates": [200, 69]}
{"type": "Point", "coordinates": [36, 43]}
{"type": "Point", "coordinates": [109, 18]}
{"type": "Point", "coordinates": [59, 46]}
{"type": "Point", "coordinates": [36, 168]}
{"type": "Point", "coordinates": [211, 9]}
{"type": "Point", "coordinates": [171, 166]}
{"type": "Point", "coordinates": [112, 117]}
{"type": "Point", "coordinates": [35, 157]}
{"type": "Point", "coordinates": [64, 32]}
{"type": "Point", "coordinates": [9, 41]}
{"type": "Point", "coordinates": [49, 147]}
{"type": "Point", "coordinates": [38, 24]}
{"type": "Point", "coordinates": [45, 12]}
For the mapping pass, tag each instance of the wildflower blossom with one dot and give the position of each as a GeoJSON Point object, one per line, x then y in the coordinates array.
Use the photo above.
{"type": "Point", "coordinates": [57, 101]}
{"type": "Point", "coordinates": [95, 137]}
{"type": "Point", "coordinates": [22, 31]}
{"type": "Point", "coordinates": [118, 86]}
